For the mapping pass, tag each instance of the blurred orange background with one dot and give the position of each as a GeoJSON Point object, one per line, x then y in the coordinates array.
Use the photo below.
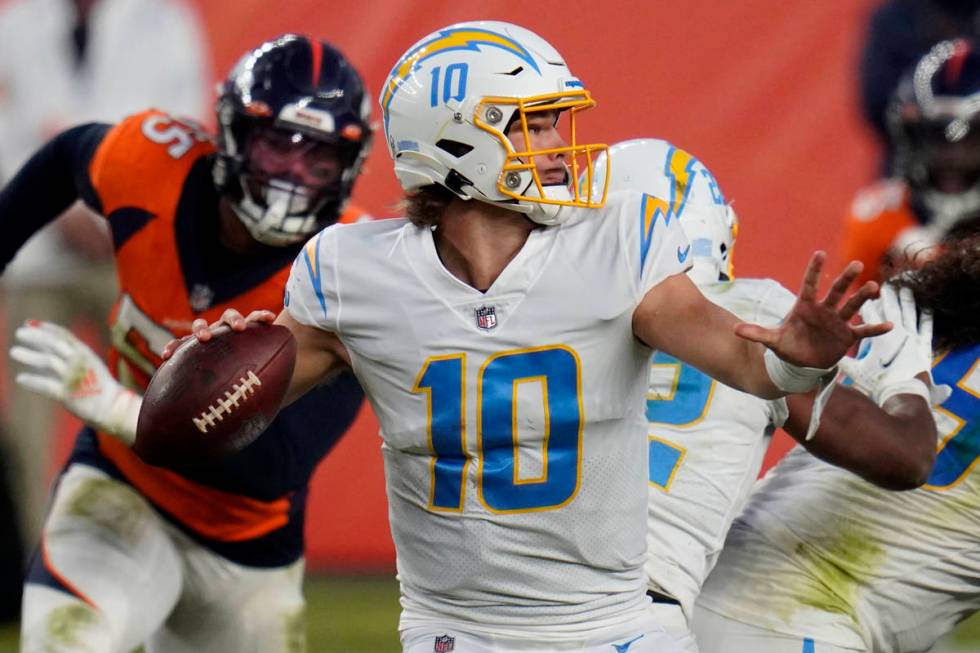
{"type": "Point", "coordinates": [762, 91]}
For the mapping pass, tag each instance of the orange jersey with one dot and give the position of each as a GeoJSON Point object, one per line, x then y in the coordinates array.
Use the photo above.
{"type": "Point", "coordinates": [151, 178]}
{"type": "Point", "coordinates": [878, 214]}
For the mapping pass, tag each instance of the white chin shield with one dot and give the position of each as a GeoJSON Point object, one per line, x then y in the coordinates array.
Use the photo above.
{"type": "Point", "coordinates": [550, 214]}
{"type": "Point", "coordinates": [540, 212]}
{"type": "Point", "coordinates": [285, 216]}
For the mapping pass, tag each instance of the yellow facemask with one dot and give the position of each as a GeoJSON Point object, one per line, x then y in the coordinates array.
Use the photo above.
{"type": "Point", "coordinates": [489, 115]}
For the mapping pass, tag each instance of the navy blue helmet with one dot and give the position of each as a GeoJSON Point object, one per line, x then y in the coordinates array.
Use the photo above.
{"type": "Point", "coordinates": [934, 120]}
{"type": "Point", "coordinates": [294, 129]}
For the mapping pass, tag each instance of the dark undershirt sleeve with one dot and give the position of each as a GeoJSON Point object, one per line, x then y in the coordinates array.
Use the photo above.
{"type": "Point", "coordinates": [46, 185]}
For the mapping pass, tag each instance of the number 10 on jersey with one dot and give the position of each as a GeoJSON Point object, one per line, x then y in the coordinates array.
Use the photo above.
{"type": "Point", "coordinates": [500, 484]}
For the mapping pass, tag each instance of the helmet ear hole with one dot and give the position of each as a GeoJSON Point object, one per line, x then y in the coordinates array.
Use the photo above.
{"type": "Point", "coordinates": [455, 148]}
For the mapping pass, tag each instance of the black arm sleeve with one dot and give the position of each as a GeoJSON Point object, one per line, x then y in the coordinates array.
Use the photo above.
{"type": "Point", "coordinates": [46, 185]}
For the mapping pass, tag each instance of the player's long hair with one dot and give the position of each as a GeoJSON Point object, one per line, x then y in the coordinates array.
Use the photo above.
{"type": "Point", "coordinates": [424, 207]}
{"type": "Point", "coordinates": [949, 286]}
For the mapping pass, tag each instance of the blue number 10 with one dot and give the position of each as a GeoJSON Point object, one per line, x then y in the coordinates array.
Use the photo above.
{"type": "Point", "coordinates": [502, 487]}
{"type": "Point", "coordinates": [453, 85]}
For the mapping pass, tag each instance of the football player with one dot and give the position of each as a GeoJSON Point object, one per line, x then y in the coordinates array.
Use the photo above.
{"type": "Point", "coordinates": [822, 561]}
{"type": "Point", "coordinates": [207, 558]}
{"type": "Point", "coordinates": [707, 440]}
{"type": "Point", "coordinates": [934, 122]}
{"type": "Point", "coordinates": [504, 339]}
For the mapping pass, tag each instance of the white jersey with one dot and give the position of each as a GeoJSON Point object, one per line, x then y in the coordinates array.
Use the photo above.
{"type": "Point", "coordinates": [707, 442]}
{"type": "Point", "coordinates": [513, 420]}
{"type": "Point", "coordinates": [821, 553]}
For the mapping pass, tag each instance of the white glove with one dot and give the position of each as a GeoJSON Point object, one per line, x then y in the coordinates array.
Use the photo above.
{"type": "Point", "coordinates": [63, 368]}
{"type": "Point", "coordinates": [887, 364]}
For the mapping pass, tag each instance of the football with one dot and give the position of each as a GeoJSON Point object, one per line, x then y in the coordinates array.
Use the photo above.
{"type": "Point", "coordinates": [211, 399]}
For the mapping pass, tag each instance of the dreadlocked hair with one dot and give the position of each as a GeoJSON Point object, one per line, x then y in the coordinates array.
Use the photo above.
{"type": "Point", "coordinates": [949, 286]}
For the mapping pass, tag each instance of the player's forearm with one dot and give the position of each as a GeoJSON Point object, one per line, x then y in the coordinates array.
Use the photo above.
{"type": "Point", "coordinates": [318, 357]}
{"type": "Point", "coordinates": [745, 368]}
{"type": "Point", "coordinates": [677, 319]}
{"type": "Point", "coordinates": [734, 361]}
{"type": "Point", "coordinates": [45, 186]}
{"type": "Point", "coordinates": [893, 447]}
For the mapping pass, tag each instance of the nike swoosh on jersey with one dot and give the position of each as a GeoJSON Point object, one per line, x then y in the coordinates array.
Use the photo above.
{"type": "Point", "coordinates": [622, 648]}
{"type": "Point", "coordinates": [682, 254]}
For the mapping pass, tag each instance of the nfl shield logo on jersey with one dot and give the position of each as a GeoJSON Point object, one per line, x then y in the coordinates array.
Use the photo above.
{"type": "Point", "coordinates": [444, 644]}
{"type": "Point", "coordinates": [486, 317]}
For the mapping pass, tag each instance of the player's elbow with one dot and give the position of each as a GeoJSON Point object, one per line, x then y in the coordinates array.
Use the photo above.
{"type": "Point", "coordinates": [909, 471]}
{"type": "Point", "coordinates": [914, 444]}
{"type": "Point", "coordinates": [920, 469]}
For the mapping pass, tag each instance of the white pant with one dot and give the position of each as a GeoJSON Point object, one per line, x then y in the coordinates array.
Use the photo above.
{"type": "Point", "coordinates": [718, 634]}
{"type": "Point", "coordinates": [671, 618]}
{"type": "Point", "coordinates": [645, 637]}
{"type": "Point", "coordinates": [134, 578]}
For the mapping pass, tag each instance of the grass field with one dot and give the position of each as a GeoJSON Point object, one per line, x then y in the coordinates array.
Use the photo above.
{"type": "Point", "coordinates": [359, 614]}
{"type": "Point", "coordinates": [347, 614]}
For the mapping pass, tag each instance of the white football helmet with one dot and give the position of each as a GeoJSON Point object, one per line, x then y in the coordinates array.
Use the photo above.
{"type": "Point", "coordinates": [679, 186]}
{"type": "Point", "coordinates": [449, 101]}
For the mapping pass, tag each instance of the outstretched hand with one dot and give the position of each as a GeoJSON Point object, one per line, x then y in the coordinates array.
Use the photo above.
{"type": "Point", "coordinates": [202, 331]}
{"type": "Point", "coordinates": [60, 366]}
{"type": "Point", "coordinates": [819, 333]}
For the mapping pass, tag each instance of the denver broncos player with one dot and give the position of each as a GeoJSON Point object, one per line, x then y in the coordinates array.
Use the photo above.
{"type": "Point", "coordinates": [934, 123]}
{"type": "Point", "coordinates": [707, 440]}
{"type": "Point", "coordinates": [821, 561]}
{"type": "Point", "coordinates": [208, 558]}
{"type": "Point", "coordinates": [503, 339]}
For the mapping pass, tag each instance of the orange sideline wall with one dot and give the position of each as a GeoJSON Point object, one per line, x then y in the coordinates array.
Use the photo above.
{"type": "Point", "coordinates": [762, 91]}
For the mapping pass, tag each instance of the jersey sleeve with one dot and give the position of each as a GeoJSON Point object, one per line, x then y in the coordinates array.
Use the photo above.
{"type": "Point", "coordinates": [654, 244]}
{"type": "Point", "coordinates": [311, 295]}
{"type": "Point", "coordinates": [142, 159]}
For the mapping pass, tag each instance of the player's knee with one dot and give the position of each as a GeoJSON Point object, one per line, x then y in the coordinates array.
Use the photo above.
{"type": "Point", "coordinates": [54, 622]}
{"type": "Point", "coordinates": [279, 621]}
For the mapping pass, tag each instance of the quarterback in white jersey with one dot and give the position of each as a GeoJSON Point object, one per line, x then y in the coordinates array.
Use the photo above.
{"type": "Point", "coordinates": [502, 335]}
{"type": "Point", "coordinates": [823, 561]}
{"type": "Point", "coordinates": [707, 440]}
{"type": "Point", "coordinates": [509, 419]}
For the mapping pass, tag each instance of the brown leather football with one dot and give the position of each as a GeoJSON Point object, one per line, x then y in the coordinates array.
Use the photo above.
{"type": "Point", "coordinates": [211, 399]}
